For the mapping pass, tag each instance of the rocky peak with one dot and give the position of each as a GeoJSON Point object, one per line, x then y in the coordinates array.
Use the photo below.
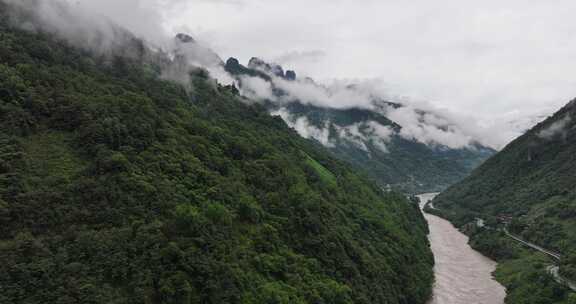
{"type": "Point", "coordinates": [256, 62]}
{"type": "Point", "coordinates": [290, 75]}
{"type": "Point", "coordinates": [232, 64]}
{"type": "Point", "coordinates": [259, 64]}
{"type": "Point", "coordinates": [185, 38]}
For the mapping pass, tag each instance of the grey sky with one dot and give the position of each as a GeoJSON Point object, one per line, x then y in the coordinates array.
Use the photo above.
{"type": "Point", "coordinates": [489, 57]}
{"type": "Point", "coordinates": [492, 60]}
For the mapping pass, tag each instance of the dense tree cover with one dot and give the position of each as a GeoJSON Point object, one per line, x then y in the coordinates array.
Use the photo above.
{"type": "Point", "coordinates": [529, 184]}
{"type": "Point", "coordinates": [493, 244]}
{"type": "Point", "coordinates": [534, 174]}
{"type": "Point", "coordinates": [407, 165]}
{"type": "Point", "coordinates": [521, 270]}
{"type": "Point", "coordinates": [119, 187]}
{"type": "Point", "coordinates": [404, 164]}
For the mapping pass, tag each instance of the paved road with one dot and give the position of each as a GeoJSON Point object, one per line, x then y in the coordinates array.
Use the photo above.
{"type": "Point", "coordinates": [552, 269]}
{"type": "Point", "coordinates": [550, 253]}
{"type": "Point", "coordinates": [555, 272]}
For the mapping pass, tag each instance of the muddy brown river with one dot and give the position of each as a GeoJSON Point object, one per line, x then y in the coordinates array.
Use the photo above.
{"type": "Point", "coordinates": [463, 276]}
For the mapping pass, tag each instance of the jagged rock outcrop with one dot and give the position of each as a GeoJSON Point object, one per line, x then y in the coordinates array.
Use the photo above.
{"type": "Point", "coordinates": [259, 64]}
{"type": "Point", "coordinates": [185, 38]}
{"type": "Point", "coordinates": [290, 75]}
{"type": "Point", "coordinates": [238, 70]}
{"type": "Point", "coordinates": [367, 138]}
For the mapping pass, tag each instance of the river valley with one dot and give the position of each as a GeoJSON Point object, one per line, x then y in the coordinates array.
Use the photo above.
{"type": "Point", "coordinates": [463, 275]}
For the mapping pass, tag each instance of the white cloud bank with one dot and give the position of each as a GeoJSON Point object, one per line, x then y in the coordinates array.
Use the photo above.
{"type": "Point", "coordinates": [491, 67]}
{"type": "Point", "coordinates": [305, 128]}
{"type": "Point", "coordinates": [559, 127]}
{"type": "Point", "coordinates": [429, 129]}
{"type": "Point", "coordinates": [419, 121]}
{"type": "Point", "coordinates": [497, 61]}
{"type": "Point", "coordinates": [109, 26]}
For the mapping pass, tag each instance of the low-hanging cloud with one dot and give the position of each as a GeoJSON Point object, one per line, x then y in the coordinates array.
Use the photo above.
{"type": "Point", "coordinates": [428, 128]}
{"type": "Point", "coordinates": [305, 128]}
{"type": "Point", "coordinates": [256, 88]}
{"type": "Point", "coordinates": [557, 128]}
{"type": "Point", "coordinates": [301, 57]}
{"type": "Point", "coordinates": [497, 61]}
{"type": "Point", "coordinates": [419, 121]}
{"type": "Point", "coordinates": [329, 134]}
{"type": "Point", "coordinates": [94, 26]}
{"type": "Point", "coordinates": [372, 132]}
{"type": "Point", "coordinates": [191, 53]}
{"type": "Point", "coordinates": [74, 23]}
{"type": "Point", "coordinates": [338, 94]}
{"type": "Point", "coordinates": [121, 28]}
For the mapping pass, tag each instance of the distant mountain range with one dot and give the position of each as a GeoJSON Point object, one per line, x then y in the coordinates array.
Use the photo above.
{"type": "Point", "coordinates": [399, 146]}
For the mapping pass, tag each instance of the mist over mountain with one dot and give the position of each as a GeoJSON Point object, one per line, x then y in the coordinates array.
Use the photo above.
{"type": "Point", "coordinates": [129, 175]}
{"type": "Point", "coordinates": [138, 165]}
{"type": "Point", "coordinates": [398, 144]}
{"type": "Point", "coordinates": [537, 162]}
{"type": "Point", "coordinates": [411, 148]}
{"type": "Point", "coordinates": [528, 188]}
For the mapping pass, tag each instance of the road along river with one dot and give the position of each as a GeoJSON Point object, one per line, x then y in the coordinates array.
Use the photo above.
{"type": "Point", "coordinates": [463, 276]}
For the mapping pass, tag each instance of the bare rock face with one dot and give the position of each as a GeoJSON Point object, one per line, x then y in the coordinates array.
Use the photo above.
{"type": "Point", "coordinates": [259, 64]}
{"type": "Point", "coordinates": [185, 38]}
{"type": "Point", "coordinates": [256, 62]}
{"type": "Point", "coordinates": [290, 75]}
{"type": "Point", "coordinates": [233, 66]}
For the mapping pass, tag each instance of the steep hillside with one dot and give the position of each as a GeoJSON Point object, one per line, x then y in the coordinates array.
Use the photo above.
{"type": "Point", "coordinates": [371, 141]}
{"type": "Point", "coordinates": [533, 172]}
{"type": "Point", "coordinates": [529, 187]}
{"type": "Point", "coordinates": [400, 147]}
{"type": "Point", "coordinates": [117, 186]}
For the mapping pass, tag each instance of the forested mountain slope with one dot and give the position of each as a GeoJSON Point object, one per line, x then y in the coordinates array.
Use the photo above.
{"type": "Point", "coordinates": [529, 187]}
{"type": "Point", "coordinates": [400, 147]}
{"type": "Point", "coordinates": [534, 172]}
{"type": "Point", "coordinates": [371, 141]}
{"type": "Point", "coordinates": [117, 186]}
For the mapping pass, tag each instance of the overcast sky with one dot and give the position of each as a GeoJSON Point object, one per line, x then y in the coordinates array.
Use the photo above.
{"type": "Point", "coordinates": [481, 57]}
{"type": "Point", "coordinates": [490, 59]}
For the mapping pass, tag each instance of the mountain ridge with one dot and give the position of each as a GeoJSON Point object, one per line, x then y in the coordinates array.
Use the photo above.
{"type": "Point", "coordinates": [366, 136]}
{"type": "Point", "coordinates": [119, 184]}
{"type": "Point", "coordinates": [528, 190]}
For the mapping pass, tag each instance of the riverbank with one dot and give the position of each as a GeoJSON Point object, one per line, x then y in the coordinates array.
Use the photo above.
{"type": "Point", "coordinates": [462, 274]}
{"type": "Point", "coordinates": [523, 271]}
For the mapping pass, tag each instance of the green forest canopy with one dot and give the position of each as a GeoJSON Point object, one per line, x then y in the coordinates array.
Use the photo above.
{"type": "Point", "coordinates": [119, 187]}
